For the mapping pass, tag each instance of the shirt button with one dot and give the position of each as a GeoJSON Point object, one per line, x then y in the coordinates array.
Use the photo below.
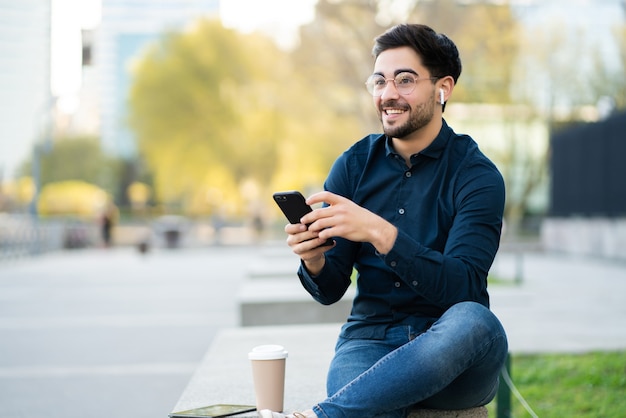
{"type": "Point", "coordinates": [401, 211]}
{"type": "Point", "coordinates": [393, 263]}
{"type": "Point", "coordinates": [397, 284]}
{"type": "Point", "coordinates": [414, 282]}
{"type": "Point", "coordinates": [407, 174]}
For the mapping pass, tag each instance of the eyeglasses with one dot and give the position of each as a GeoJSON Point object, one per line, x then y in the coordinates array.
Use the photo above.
{"type": "Point", "coordinates": [405, 83]}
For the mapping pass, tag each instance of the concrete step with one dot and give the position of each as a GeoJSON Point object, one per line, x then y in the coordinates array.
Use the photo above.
{"type": "Point", "coordinates": [480, 412]}
{"type": "Point", "coordinates": [281, 301]}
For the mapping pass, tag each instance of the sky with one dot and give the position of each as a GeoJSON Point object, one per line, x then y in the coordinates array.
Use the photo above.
{"type": "Point", "coordinates": [281, 18]}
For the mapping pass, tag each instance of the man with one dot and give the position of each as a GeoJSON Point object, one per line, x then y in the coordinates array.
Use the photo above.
{"type": "Point", "coordinates": [418, 213]}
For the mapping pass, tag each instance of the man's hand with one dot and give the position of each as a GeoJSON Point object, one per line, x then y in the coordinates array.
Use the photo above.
{"type": "Point", "coordinates": [308, 246]}
{"type": "Point", "coordinates": [345, 219]}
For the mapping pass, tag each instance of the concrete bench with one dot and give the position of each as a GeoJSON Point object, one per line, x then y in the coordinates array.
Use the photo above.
{"type": "Point", "coordinates": [281, 301]}
{"type": "Point", "coordinates": [274, 268]}
{"type": "Point", "coordinates": [225, 376]}
{"type": "Point", "coordinates": [480, 412]}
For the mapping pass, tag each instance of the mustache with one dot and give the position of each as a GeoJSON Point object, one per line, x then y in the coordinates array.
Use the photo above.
{"type": "Point", "coordinates": [394, 104]}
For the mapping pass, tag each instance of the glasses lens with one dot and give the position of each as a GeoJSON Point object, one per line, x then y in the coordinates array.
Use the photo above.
{"type": "Point", "coordinates": [375, 85]}
{"type": "Point", "coordinates": [405, 83]}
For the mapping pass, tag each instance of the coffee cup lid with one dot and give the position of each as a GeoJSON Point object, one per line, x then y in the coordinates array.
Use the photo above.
{"type": "Point", "coordinates": [268, 352]}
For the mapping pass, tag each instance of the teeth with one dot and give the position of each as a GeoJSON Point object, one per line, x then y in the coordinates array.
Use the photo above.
{"type": "Point", "coordinates": [394, 111]}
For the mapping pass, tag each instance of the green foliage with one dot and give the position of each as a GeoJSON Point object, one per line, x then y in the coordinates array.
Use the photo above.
{"type": "Point", "coordinates": [215, 110]}
{"type": "Point", "coordinates": [335, 53]}
{"type": "Point", "coordinates": [180, 107]}
{"type": "Point", "coordinates": [72, 197]}
{"type": "Point", "coordinates": [489, 51]}
{"type": "Point", "coordinates": [570, 385]}
{"type": "Point", "coordinates": [79, 158]}
{"type": "Point", "coordinates": [607, 82]}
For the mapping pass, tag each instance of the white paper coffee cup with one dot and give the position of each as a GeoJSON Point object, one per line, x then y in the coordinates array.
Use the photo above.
{"type": "Point", "coordinates": [268, 373]}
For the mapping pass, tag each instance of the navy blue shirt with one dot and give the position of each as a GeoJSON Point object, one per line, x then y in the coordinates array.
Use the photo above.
{"type": "Point", "coordinates": [447, 208]}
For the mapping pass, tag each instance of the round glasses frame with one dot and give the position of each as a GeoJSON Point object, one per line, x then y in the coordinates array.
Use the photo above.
{"type": "Point", "coordinates": [405, 83]}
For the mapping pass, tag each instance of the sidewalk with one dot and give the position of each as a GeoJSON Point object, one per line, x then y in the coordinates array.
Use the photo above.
{"type": "Point", "coordinates": [564, 303]}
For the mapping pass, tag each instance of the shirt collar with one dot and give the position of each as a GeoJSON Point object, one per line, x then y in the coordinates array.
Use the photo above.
{"type": "Point", "coordinates": [435, 148]}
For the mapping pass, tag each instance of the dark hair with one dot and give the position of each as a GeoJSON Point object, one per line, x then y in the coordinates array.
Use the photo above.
{"type": "Point", "coordinates": [438, 53]}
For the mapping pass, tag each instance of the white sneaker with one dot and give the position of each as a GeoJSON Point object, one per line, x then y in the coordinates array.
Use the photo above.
{"type": "Point", "coordinates": [266, 413]}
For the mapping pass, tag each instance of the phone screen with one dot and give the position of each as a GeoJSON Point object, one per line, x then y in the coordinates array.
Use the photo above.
{"type": "Point", "coordinates": [213, 411]}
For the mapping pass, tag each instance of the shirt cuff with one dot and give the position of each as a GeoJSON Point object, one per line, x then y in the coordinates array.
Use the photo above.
{"type": "Point", "coordinates": [402, 257]}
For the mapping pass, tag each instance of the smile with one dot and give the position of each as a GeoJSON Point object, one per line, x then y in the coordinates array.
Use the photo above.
{"type": "Point", "coordinates": [394, 111]}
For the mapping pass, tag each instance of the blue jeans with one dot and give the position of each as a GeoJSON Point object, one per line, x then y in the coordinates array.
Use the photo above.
{"type": "Point", "coordinates": [454, 364]}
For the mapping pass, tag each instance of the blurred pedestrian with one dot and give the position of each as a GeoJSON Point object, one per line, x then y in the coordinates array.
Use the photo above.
{"type": "Point", "coordinates": [106, 224]}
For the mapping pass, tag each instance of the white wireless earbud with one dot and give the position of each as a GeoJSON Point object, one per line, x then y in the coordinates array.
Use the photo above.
{"type": "Point", "coordinates": [441, 96]}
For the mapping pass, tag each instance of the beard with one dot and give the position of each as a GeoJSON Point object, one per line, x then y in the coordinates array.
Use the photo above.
{"type": "Point", "coordinates": [418, 118]}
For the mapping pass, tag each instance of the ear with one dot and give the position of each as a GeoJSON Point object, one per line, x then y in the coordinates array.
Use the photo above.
{"type": "Point", "coordinates": [446, 85]}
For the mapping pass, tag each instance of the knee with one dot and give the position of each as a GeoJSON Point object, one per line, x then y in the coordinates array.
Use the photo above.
{"type": "Point", "coordinates": [471, 311]}
{"type": "Point", "coordinates": [477, 319]}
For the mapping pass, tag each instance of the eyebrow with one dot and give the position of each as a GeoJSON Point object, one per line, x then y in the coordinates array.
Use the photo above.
{"type": "Point", "coordinates": [398, 71]}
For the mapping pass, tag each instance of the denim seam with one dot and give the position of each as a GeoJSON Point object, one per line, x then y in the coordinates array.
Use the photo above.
{"type": "Point", "coordinates": [318, 410]}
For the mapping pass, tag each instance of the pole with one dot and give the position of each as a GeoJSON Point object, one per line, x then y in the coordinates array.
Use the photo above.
{"type": "Point", "coordinates": [503, 400]}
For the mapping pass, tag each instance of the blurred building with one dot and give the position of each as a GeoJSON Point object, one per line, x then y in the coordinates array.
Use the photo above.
{"type": "Point", "coordinates": [587, 213]}
{"type": "Point", "coordinates": [127, 29]}
{"type": "Point", "coordinates": [79, 113]}
{"type": "Point", "coordinates": [25, 102]}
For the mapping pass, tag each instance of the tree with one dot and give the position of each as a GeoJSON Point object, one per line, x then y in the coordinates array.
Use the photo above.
{"type": "Point", "coordinates": [608, 81]}
{"type": "Point", "coordinates": [193, 102]}
{"type": "Point", "coordinates": [334, 52]}
{"type": "Point", "coordinates": [79, 158]}
{"type": "Point", "coordinates": [215, 111]}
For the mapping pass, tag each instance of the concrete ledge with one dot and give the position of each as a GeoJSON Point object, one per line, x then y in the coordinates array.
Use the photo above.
{"type": "Point", "coordinates": [285, 302]}
{"type": "Point", "coordinates": [225, 375]}
{"type": "Point", "coordinates": [274, 268]}
{"type": "Point", "coordinates": [480, 412]}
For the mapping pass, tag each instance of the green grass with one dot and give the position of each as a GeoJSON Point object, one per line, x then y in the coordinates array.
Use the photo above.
{"type": "Point", "coordinates": [589, 385]}
{"type": "Point", "coordinates": [498, 281]}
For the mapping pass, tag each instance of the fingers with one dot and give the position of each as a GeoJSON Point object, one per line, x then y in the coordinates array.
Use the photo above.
{"type": "Point", "coordinates": [304, 243]}
{"type": "Point", "coordinates": [312, 218]}
{"type": "Point", "coordinates": [294, 228]}
{"type": "Point", "coordinates": [298, 233]}
{"type": "Point", "coordinates": [327, 197]}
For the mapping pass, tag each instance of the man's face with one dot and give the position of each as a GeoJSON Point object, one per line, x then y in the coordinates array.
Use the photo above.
{"type": "Point", "coordinates": [403, 114]}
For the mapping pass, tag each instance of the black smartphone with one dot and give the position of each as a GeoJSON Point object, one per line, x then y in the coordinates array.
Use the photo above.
{"type": "Point", "coordinates": [214, 411]}
{"type": "Point", "coordinates": [294, 207]}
